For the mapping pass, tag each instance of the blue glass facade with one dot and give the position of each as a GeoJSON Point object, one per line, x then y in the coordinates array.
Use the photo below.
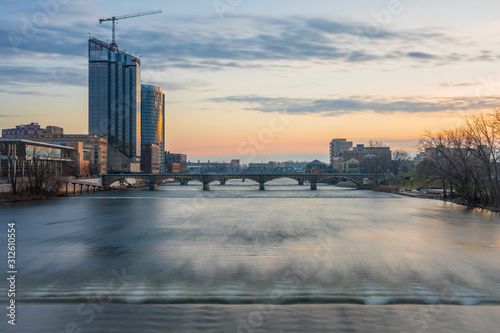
{"type": "Point", "coordinates": [115, 97]}
{"type": "Point", "coordinates": [153, 117]}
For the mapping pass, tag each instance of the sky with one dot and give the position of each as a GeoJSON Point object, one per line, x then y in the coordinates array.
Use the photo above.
{"type": "Point", "coordinates": [262, 80]}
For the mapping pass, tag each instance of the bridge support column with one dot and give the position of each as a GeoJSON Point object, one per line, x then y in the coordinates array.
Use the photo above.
{"type": "Point", "coordinates": [223, 181]}
{"type": "Point", "coordinates": [74, 189]}
{"type": "Point", "coordinates": [262, 187]}
{"type": "Point", "coordinates": [184, 182]}
{"type": "Point", "coordinates": [314, 186]}
{"type": "Point", "coordinates": [153, 187]}
{"type": "Point", "coordinates": [301, 182]}
{"type": "Point", "coordinates": [206, 186]}
{"type": "Point", "coordinates": [66, 189]}
{"type": "Point", "coordinates": [81, 188]}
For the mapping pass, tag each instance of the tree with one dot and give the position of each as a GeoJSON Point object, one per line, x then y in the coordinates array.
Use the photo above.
{"type": "Point", "coordinates": [484, 131]}
{"type": "Point", "coordinates": [43, 171]}
{"type": "Point", "coordinates": [467, 158]}
{"type": "Point", "coordinates": [427, 167]}
{"type": "Point", "coordinates": [14, 165]}
{"type": "Point", "coordinates": [400, 162]}
{"type": "Point", "coordinates": [377, 161]}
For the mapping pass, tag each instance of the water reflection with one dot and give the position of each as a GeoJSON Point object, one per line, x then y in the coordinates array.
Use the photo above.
{"type": "Point", "coordinates": [237, 244]}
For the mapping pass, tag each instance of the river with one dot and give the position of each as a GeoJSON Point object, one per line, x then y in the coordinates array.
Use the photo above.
{"type": "Point", "coordinates": [236, 259]}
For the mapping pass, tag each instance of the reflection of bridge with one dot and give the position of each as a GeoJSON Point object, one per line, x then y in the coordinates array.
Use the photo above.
{"type": "Point", "coordinates": [313, 178]}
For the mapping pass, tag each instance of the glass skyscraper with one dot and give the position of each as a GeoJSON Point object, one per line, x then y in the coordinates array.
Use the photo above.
{"type": "Point", "coordinates": [152, 117]}
{"type": "Point", "coordinates": [115, 97]}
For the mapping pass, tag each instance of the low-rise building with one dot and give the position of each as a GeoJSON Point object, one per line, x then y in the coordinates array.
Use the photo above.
{"type": "Point", "coordinates": [29, 129]}
{"type": "Point", "coordinates": [175, 163]}
{"type": "Point", "coordinates": [337, 165]}
{"type": "Point", "coordinates": [173, 168]}
{"type": "Point", "coordinates": [151, 158]}
{"type": "Point", "coordinates": [95, 145]}
{"type": "Point", "coordinates": [213, 166]}
{"type": "Point", "coordinates": [316, 167]}
{"type": "Point", "coordinates": [17, 154]}
{"type": "Point", "coordinates": [364, 155]}
{"type": "Point", "coordinates": [351, 166]}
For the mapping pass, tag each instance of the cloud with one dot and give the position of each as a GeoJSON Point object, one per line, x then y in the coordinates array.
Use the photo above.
{"type": "Point", "coordinates": [57, 52]}
{"type": "Point", "coordinates": [9, 115]}
{"type": "Point", "coordinates": [340, 106]}
{"type": "Point", "coordinates": [421, 55]}
{"type": "Point", "coordinates": [187, 85]}
{"type": "Point", "coordinates": [238, 42]}
{"type": "Point", "coordinates": [57, 75]}
{"type": "Point", "coordinates": [459, 84]}
{"type": "Point", "coordinates": [29, 93]}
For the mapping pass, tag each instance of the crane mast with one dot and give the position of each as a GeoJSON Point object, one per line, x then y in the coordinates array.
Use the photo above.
{"type": "Point", "coordinates": [113, 19]}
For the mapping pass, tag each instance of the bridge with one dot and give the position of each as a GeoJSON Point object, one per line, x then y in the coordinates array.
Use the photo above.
{"type": "Point", "coordinates": [206, 178]}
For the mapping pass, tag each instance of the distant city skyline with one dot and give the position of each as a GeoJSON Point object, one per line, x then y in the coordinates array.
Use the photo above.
{"type": "Point", "coordinates": [260, 80]}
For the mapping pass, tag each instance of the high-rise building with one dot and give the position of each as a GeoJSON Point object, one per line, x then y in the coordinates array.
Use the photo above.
{"type": "Point", "coordinates": [115, 101]}
{"type": "Point", "coordinates": [337, 147]}
{"type": "Point", "coordinates": [152, 118]}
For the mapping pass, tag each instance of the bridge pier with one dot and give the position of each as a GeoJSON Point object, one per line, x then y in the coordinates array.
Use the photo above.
{"type": "Point", "coordinates": [262, 187]}
{"type": "Point", "coordinates": [223, 181]}
{"type": "Point", "coordinates": [206, 186]}
{"type": "Point", "coordinates": [314, 186]}
{"type": "Point", "coordinates": [153, 187]}
{"type": "Point", "coordinates": [301, 182]}
{"type": "Point", "coordinates": [184, 182]}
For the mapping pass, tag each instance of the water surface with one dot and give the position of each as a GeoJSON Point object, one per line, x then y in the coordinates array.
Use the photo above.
{"type": "Point", "coordinates": [237, 246]}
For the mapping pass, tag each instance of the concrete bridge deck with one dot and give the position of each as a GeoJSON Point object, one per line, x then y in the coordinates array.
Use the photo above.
{"type": "Point", "coordinates": [313, 178]}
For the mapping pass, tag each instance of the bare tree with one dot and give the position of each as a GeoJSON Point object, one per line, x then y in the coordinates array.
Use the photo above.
{"type": "Point", "coordinates": [467, 157]}
{"type": "Point", "coordinates": [377, 161]}
{"type": "Point", "coordinates": [484, 132]}
{"type": "Point", "coordinates": [94, 169]}
{"type": "Point", "coordinates": [400, 162]}
{"type": "Point", "coordinates": [15, 165]}
{"type": "Point", "coordinates": [43, 171]}
{"type": "Point", "coordinates": [427, 167]}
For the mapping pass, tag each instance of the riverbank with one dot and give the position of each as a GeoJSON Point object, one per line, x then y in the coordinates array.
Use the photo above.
{"type": "Point", "coordinates": [9, 197]}
{"type": "Point", "coordinates": [433, 196]}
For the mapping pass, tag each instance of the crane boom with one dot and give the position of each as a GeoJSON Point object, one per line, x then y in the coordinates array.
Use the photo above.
{"type": "Point", "coordinates": [116, 18]}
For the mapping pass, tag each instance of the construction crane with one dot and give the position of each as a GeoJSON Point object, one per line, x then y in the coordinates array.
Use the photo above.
{"type": "Point", "coordinates": [116, 18]}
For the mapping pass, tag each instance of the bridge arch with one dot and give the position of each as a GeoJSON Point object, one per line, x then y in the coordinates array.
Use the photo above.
{"type": "Point", "coordinates": [342, 178]}
{"type": "Point", "coordinates": [185, 178]}
{"type": "Point", "coordinates": [227, 177]}
{"type": "Point", "coordinates": [297, 177]}
{"type": "Point", "coordinates": [112, 179]}
{"type": "Point", "coordinates": [206, 179]}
